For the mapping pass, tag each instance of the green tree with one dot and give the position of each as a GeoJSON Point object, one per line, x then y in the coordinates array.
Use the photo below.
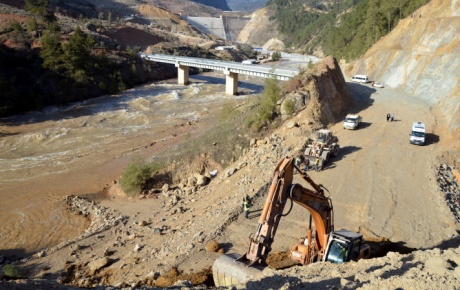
{"type": "Point", "coordinates": [372, 21]}
{"type": "Point", "coordinates": [267, 109]}
{"type": "Point", "coordinates": [270, 96]}
{"type": "Point", "coordinates": [276, 55]}
{"type": "Point", "coordinates": [77, 54]}
{"type": "Point", "coordinates": [51, 51]}
{"type": "Point", "coordinates": [42, 15]}
{"type": "Point", "coordinates": [36, 7]}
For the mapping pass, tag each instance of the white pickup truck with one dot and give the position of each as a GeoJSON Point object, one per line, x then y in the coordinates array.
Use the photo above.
{"type": "Point", "coordinates": [352, 121]}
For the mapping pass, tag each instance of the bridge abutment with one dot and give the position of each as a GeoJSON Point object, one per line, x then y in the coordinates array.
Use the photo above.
{"type": "Point", "coordinates": [182, 74]}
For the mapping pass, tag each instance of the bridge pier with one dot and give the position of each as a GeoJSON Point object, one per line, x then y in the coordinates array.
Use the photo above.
{"type": "Point", "coordinates": [182, 74]}
{"type": "Point", "coordinates": [231, 83]}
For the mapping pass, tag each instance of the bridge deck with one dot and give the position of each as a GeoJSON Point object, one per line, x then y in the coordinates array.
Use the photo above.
{"type": "Point", "coordinates": [226, 66]}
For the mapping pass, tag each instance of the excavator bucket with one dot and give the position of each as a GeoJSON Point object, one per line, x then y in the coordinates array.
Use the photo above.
{"type": "Point", "coordinates": [226, 271]}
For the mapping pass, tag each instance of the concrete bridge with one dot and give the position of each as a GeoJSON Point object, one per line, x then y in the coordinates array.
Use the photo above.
{"type": "Point", "coordinates": [230, 69]}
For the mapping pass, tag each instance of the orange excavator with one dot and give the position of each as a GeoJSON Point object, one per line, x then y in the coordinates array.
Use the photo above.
{"type": "Point", "coordinates": [321, 242]}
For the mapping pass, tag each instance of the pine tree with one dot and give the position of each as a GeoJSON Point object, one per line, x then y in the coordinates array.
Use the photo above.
{"type": "Point", "coordinates": [51, 51]}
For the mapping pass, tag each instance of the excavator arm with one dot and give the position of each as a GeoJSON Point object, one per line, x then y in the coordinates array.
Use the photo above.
{"type": "Point", "coordinates": [227, 270]}
{"type": "Point", "coordinates": [281, 190]}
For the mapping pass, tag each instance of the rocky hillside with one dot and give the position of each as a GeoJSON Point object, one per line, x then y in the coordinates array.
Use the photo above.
{"type": "Point", "coordinates": [421, 57]}
{"type": "Point", "coordinates": [259, 30]}
{"type": "Point", "coordinates": [323, 92]}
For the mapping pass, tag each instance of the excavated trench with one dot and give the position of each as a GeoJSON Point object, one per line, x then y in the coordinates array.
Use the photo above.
{"type": "Point", "coordinates": [276, 260]}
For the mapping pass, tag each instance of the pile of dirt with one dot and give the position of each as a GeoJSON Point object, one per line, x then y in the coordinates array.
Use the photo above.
{"type": "Point", "coordinates": [156, 12]}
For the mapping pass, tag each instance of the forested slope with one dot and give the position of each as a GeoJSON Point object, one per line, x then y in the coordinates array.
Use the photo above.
{"type": "Point", "coordinates": [345, 29]}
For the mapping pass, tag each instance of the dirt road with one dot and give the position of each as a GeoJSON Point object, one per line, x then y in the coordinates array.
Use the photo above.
{"type": "Point", "coordinates": [380, 185]}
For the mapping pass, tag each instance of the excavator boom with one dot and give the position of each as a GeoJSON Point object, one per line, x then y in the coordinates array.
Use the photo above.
{"type": "Point", "coordinates": [230, 269]}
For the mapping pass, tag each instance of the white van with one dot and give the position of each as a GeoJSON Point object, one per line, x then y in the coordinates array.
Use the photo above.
{"type": "Point", "coordinates": [360, 79]}
{"type": "Point", "coordinates": [352, 121]}
{"type": "Point", "coordinates": [418, 133]}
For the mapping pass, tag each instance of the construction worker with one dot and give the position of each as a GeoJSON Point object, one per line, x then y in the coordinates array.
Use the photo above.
{"type": "Point", "coordinates": [316, 163]}
{"type": "Point", "coordinates": [299, 160]}
{"type": "Point", "coordinates": [246, 205]}
{"type": "Point", "coordinates": [306, 163]}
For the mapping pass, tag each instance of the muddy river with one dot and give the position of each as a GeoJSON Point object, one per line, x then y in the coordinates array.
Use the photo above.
{"type": "Point", "coordinates": [80, 148]}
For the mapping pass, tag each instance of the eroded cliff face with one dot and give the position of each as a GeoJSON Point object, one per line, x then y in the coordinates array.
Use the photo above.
{"type": "Point", "coordinates": [259, 29]}
{"type": "Point", "coordinates": [323, 92]}
{"type": "Point", "coordinates": [422, 57]}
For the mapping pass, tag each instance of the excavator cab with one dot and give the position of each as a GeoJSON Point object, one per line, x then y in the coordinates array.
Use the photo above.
{"type": "Point", "coordinates": [345, 246]}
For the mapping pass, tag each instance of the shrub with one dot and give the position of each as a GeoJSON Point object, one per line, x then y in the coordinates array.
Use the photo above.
{"type": "Point", "coordinates": [293, 85]}
{"type": "Point", "coordinates": [12, 271]}
{"type": "Point", "coordinates": [267, 110]}
{"type": "Point", "coordinates": [136, 174]}
{"type": "Point", "coordinates": [289, 107]}
{"type": "Point", "coordinates": [276, 55]}
{"type": "Point", "coordinates": [228, 112]}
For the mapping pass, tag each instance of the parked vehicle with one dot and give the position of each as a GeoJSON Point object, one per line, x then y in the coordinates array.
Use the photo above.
{"type": "Point", "coordinates": [378, 85]}
{"type": "Point", "coordinates": [360, 79]}
{"type": "Point", "coordinates": [352, 121]}
{"type": "Point", "coordinates": [417, 136]}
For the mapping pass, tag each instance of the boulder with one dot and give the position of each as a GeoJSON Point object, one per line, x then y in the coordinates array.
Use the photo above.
{"type": "Point", "coordinates": [191, 181]}
{"type": "Point", "coordinates": [201, 180]}
{"type": "Point", "coordinates": [98, 264]}
{"type": "Point", "coordinates": [212, 246]}
{"type": "Point", "coordinates": [242, 165]}
{"type": "Point", "coordinates": [230, 172]}
{"type": "Point", "coordinates": [261, 142]}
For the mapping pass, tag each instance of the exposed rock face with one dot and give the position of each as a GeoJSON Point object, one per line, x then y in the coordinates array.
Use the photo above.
{"type": "Point", "coordinates": [259, 29]}
{"type": "Point", "coordinates": [421, 56]}
{"type": "Point", "coordinates": [323, 92]}
{"type": "Point", "coordinates": [274, 44]}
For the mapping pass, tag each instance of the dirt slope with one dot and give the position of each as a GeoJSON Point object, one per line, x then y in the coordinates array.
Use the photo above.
{"type": "Point", "coordinates": [259, 29]}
